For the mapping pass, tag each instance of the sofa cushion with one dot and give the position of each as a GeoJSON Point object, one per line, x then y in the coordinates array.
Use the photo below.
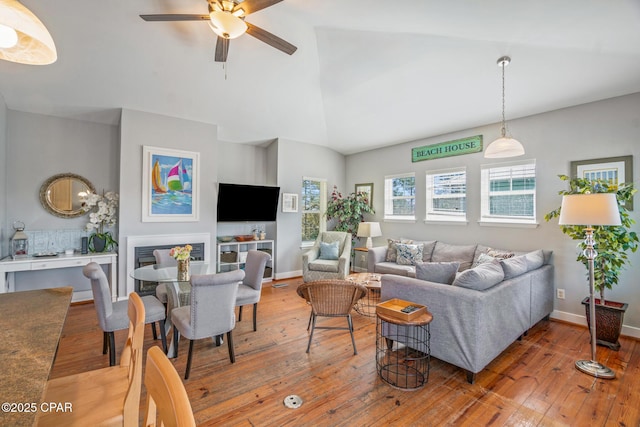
{"type": "Point", "coordinates": [326, 265]}
{"type": "Point", "coordinates": [482, 277]}
{"type": "Point", "coordinates": [439, 272]}
{"type": "Point", "coordinates": [483, 258]}
{"type": "Point", "coordinates": [500, 253]}
{"type": "Point", "coordinates": [534, 259]}
{"type": "Point", "coordinates": [409, 254]}
{"type": "Point", "coordinates": [394, 268]}
{"type": "Point", "coordinates": [329, 250]}
{"type": "Point", "coordinates": [392, 250]}
{"type": "Point", "coordinates": [444, 252]}
{"type": "Point", "coordinates": [427, 249]}
{"type": "Point", "coordinates": [514, 266]}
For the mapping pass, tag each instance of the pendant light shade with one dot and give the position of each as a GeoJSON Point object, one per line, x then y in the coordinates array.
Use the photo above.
{"type": "Point", "coordinates": [227, 25]}
{"type": "Point", "coordinates": [23, 37]}
{"type": "Point", "coordinates": [505, 146]}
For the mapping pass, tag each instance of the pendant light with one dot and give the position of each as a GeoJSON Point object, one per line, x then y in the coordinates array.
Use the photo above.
{"type": "Point", "coordinates": [505, 146]}
{"type": "Point", "coordinates": [23, 37]}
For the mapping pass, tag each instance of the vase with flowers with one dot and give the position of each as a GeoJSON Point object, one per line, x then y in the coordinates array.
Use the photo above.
{"type": "Point", "coordinates": [182, 254]}
{"type": "Point", "coordinates": [102, 214]}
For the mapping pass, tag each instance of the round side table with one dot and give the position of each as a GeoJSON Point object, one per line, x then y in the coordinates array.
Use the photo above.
{"type": "Point", "coordinates": [403, 350]}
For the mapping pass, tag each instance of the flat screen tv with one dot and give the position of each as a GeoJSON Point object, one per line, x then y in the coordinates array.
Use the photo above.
{"type": "Point", "coordinates": [238, 202]}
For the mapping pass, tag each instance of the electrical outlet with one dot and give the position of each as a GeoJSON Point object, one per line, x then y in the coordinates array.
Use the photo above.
{"type": "Point", "coordinates": [560, 293]}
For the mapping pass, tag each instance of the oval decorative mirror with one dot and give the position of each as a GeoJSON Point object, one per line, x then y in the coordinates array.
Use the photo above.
{"type": "Point", "coordinates": [62, 194]}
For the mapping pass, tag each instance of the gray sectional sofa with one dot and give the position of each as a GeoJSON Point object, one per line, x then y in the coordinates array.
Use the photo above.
{"type": "Point", "coordinates": [492, 299]}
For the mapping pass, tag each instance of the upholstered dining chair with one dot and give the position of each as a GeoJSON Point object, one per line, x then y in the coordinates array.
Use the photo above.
{"type": "Point", "coordinates": [331, 298]}
{"type": "Point", "coordinates": [167, 400]}
{"type": "Point", "coordinates": [211, 312]}
{"type": "Point", "coordinates": [112, 316]}
{"type": "Point", "coordinates": [163, 257]}
{"type": "Point", "coordinates": [250, 289]}
{"type": "Point", "coordinates": [329, 258]}
{"type": "Point", "coordinates": [108, 396]}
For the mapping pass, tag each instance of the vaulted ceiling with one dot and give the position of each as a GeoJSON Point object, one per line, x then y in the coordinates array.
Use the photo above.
{"type": "Point", "coordinates": [367, 73]}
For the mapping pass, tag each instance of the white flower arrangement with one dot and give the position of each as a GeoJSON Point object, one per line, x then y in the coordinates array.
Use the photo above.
{"type": "Point", "coordinates": [103, 209]}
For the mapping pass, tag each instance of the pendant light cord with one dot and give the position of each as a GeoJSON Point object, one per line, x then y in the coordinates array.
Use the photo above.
{"type": "Point", "coordinates": [504, 124]}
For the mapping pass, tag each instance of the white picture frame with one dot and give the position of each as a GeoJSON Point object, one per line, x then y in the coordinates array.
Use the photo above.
{"type": "Point", "coordinates": [289, 202]}
{"type": "Point", "coordinates": [168, 196]}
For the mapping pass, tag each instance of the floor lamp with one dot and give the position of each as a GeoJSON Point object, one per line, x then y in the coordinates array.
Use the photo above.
{"type": "Point", "coordinates": [590, 210]}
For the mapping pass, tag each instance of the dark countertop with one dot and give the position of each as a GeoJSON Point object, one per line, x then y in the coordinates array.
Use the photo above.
{"type": "Point", "coordinates": [30, 329]}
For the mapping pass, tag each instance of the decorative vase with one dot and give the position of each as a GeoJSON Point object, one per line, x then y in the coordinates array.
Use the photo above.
{"type": "Point", "coordinates": [608, 322]}
{"type": "Point", "coordinates": [97, 243]}
{"type": "Point", "coordinates": [183, 270]}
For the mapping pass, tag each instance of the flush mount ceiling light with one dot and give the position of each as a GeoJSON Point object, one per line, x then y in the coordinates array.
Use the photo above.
{"type": "Point", "coordinates": [505, 146]}
{"type": "Point", "coordinates": [23, 37]}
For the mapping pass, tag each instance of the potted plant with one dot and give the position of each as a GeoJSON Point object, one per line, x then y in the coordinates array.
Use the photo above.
{"type": "Point", "coordinates": [348, 211]}
{"type": "Point", "coordinates": [102, 214]}
{"type": "Point", "coordinates": [613, 244]}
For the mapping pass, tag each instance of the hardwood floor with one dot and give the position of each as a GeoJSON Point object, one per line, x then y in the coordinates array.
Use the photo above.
{"type": "Point", "coordinates": [532, 383]}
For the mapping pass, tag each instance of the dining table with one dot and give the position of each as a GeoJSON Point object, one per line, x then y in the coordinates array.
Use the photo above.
{"type": "Point", "coordinates": [178, 291]}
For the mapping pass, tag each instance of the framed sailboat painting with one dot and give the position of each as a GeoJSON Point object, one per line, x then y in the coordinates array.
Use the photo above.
{"type": "Point", "coordinates": [170, 185]}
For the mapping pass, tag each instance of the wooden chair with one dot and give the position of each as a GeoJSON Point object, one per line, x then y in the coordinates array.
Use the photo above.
{"type": "Point", "coordinates": [167, 401]}
{"type": "Point", "coordinates": [331, 298]}
{"type": "Point", "coordinates": [103, 397]}
{"type": "Point", "coordinates": [250, 290]}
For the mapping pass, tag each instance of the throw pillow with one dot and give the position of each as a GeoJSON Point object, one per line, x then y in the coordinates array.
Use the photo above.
{"type": "Point", "coordinates": [500, 254]}
{"type": "Point", "coordinates": [484, 258]}
{"type": "Point", "coordinates": [439, 272]}
{"type": "Point", "coordinates": [329, 250]}
{"type": "Point", "coordinates": [534, 259]}
{"type": "Point", "coordinates": [409, 254]}
{"type": "Point", "coordinates": [482, 277]}
{"type": "Point", "coordinates": [514, 266]}
{"type": "Point", "coordinates": [392, 250]}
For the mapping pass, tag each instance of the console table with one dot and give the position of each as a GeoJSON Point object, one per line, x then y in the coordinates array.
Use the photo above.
{"type": "Point", "coordinates": [8, 268]}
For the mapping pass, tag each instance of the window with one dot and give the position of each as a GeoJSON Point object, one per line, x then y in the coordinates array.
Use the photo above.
{"type": "Point", "coordinates": [400, 197]}
{"type": "Point", "coordinates": [447, 195]}
{"type": "Point", "coordinates": [509, 192]}
{"type": "Point", "coordinates": [314, 202]}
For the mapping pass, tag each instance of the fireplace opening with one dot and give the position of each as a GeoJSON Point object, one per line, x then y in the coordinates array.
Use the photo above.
{"type": "Point", "coordinates": [144, 256]}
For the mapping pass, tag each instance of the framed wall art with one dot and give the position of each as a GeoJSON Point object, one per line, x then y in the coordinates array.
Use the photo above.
{"type": "Point", "coordinates": [170, 185]}
{"type": "Point", "coordinates": [615, 170]}
{"type": "Point", "coordinates": [367, 189]}
{"type": "Point", "coordinates": [289, 202]}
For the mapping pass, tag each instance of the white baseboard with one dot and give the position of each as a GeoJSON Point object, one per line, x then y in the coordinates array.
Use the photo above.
{"type": "Point", "coordinates": [288, 275]}
{"type": "Point", "coordinates": [629, 331]}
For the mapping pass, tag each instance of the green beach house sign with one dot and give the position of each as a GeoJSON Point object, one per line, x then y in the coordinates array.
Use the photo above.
{"type": "Point", "coordinates": [458, 147]}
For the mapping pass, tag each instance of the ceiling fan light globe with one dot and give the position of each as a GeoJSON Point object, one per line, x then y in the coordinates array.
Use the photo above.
{"type": "Point", "coordinates": [227, 25]}
{"type": "Point", "coordinates": [504, 147]}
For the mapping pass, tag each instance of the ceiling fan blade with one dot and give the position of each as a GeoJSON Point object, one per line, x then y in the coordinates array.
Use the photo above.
{"type": "Point", "coordinates": [270, 39]}
{"type": "Point", "coordinates": [222, 49]}
{"type": "Point", "coordinates": [251, 6]}
{"type": "Point", "coordinates": [175, 17]}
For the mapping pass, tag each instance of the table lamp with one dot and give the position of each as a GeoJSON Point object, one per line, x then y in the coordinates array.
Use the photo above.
{"type": "Point", "coordinates": [369, 230]}
{"type": "Point", "coordinates": [590, 210]}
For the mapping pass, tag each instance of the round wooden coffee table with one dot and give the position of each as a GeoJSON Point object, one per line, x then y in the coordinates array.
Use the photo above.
{"type": "Point", "coordinates": [366, 306]}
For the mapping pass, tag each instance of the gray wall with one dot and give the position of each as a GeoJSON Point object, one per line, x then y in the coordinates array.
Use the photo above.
{"type": "Point", "coordinates": [601, 129]}
{"type": "Point", "coordinates": [3, 177]}
{"type": "Point", "coordinates": [138, 129]}
{"type": "Point", "coordinates": [294, 161]}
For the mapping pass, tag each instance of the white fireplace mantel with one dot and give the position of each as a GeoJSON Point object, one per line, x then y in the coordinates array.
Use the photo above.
{"type": "Point", "coordinates": [161, 239]}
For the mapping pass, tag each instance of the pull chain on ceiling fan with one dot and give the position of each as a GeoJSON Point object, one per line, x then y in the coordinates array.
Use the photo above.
{"type": "Point", "coordinates": [226, 19]}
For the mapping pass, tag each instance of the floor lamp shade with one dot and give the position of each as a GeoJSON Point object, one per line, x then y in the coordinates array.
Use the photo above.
{"type": "Point", "coordinates": [369, 230]}
{"type": "Point", "coordinates": [589, 209]}
{"type": "Point", "coordinates": [34, 44]}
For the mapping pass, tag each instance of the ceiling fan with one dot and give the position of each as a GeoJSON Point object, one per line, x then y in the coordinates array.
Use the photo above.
{"type": "Point", "coordinates": [227, 19]}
